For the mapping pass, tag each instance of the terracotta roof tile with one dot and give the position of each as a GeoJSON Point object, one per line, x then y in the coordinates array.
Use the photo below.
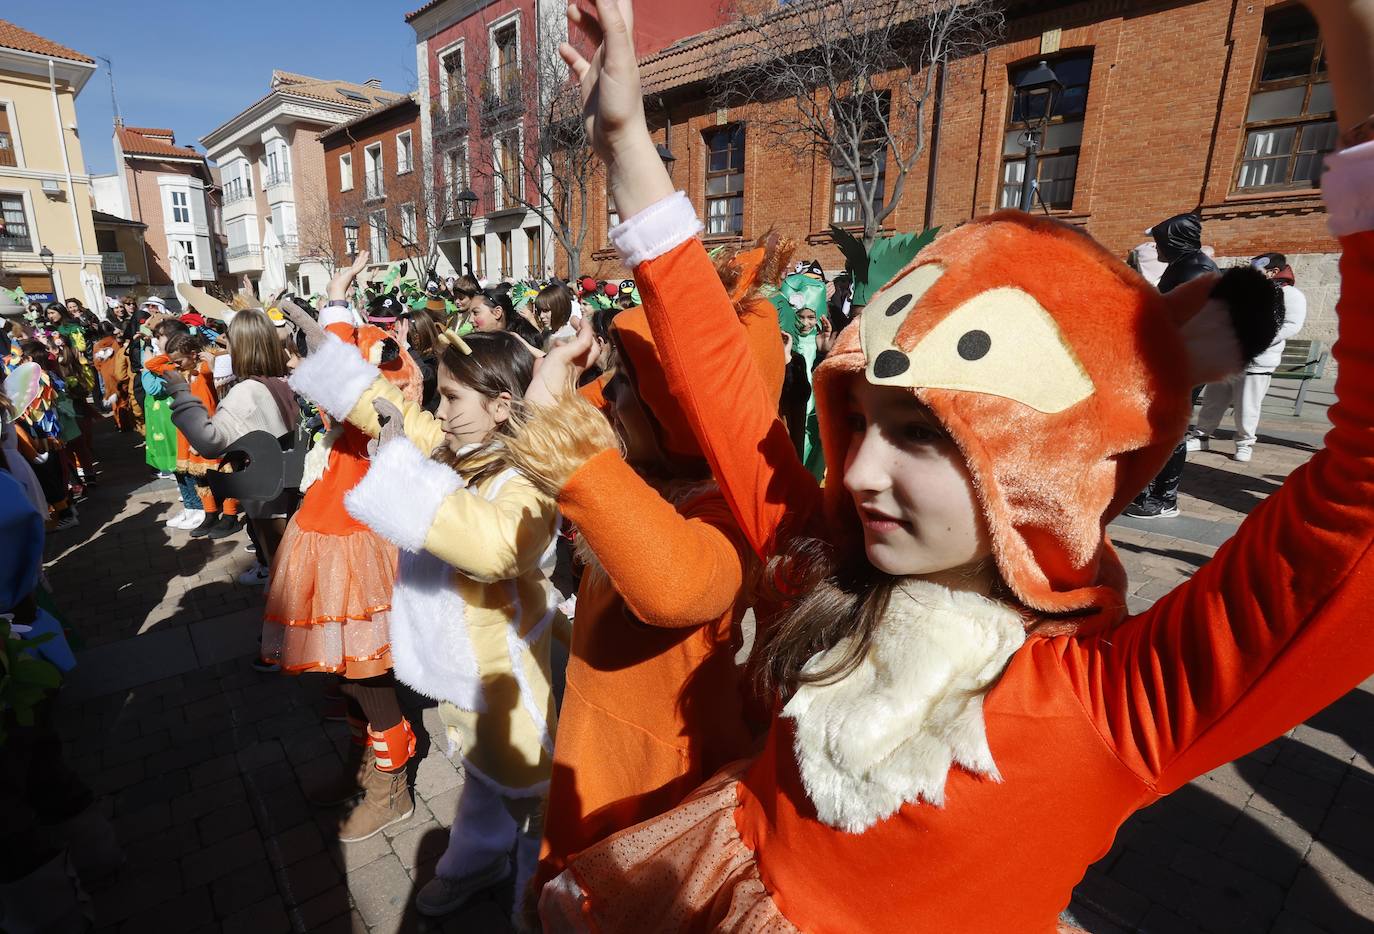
{"type": "Point", "coordinates": [15, 37]}
{"type": "Point", "coordinates": [367, 115]}
{"type": "Point", "coordinates": [139, 141]}
{"type": "Point", "coordinates": [424, 9]}
{"type": "Point", "coordinates": [333, 90]}
{"type": "Point", "coordinates": [150, 131]}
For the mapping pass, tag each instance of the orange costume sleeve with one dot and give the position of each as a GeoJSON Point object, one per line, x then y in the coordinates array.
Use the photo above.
{"type": "Point", "coordinates": [1273, 628]}
{"type": "Point", "coordinates": [671, 568]}
{"type": "Point", "coordinates": [709, 369]}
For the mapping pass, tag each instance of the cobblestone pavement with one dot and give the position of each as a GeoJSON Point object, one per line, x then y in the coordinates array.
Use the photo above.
{"type": "Point", "coordinates": [201, 759]}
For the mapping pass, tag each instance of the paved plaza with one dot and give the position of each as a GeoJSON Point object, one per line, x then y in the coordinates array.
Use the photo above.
{"type": "Point", "coordinates": [201, 759]}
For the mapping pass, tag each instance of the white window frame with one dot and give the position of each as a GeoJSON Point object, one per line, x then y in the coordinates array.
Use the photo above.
{"type": "Point", "coordinates": [377, 242]}
{"type": "Point", "coordinates": [190, 247]}
{"type": "Point", "coordinates": [184, 207]}
{"type": "Point", "coordinates": [8, 104]}
{"type": "Point", "coordinates": [346, 172]}
{"type": "Point", "coordinates": [453, 186]}
{"type": "Point", "coordinates": [461, 48]}
{"type": "Point", "coordinates": [407, 165]}
{"type": "Point", "coordinates": [30, 220]}
{"type": "Point", "coordinates": [369, 174]}
{"type": "Point", "coordinates": [511, 18]}
{"type": "Point", "coordinates": [410, 223]}
{"type": "Point", "coordinates": [351, 240]}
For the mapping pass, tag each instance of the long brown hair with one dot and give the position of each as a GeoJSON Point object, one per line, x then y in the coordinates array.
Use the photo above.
{"type": "Point", "coordinates": [424, 334]}
{"type": "Point", "coordinates": [254, 346]}
{"type": "Point", "coordinates": [499, 363]}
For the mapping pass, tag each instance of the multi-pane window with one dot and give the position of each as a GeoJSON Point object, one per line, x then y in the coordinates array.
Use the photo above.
{"type": "Point", "coordinates": [14, 224]}
{"type": "Point", "coordinates": [405, 160]}
{"type": "Point", "coordinates": [181, 208]}
{"type": "Point", "coordinates": [864, 117]}
{"type": "Point", "coordinates": [455, 176]}
{"type": "Point", "coordinates": [725, 181]}
{"type": "Point", "coordinates": [535, 251]}
{"type": "Point", "coordinates": [507, 43]}
{"type": "Point", "coordinates": [612, 213]}
{"type": "Point", "coordinates": [346, 172]}
{"type": "Point", "coordinates": [188, 248]}
{"type": "Point", "coordinates": [451, 68]}
{"type": "Point", "coordinates": [372, 172]}
{"type": "Point", "coordinates": [238, 181]}
{"type": "Point", "coordinates": [508, 168]}
{"type": "Point", "coordinates": [7, 154]}
{"type": "Point", "coordinates": [1291, 122]}
{"type": "Point", "coordinates": [1057, 166]}
{"type": "Point", "coordinates": [410, 227]}
{"type": "Point", "coordinates": [376, 236]}
{"type": "Point", "coordinates": [278, 163]}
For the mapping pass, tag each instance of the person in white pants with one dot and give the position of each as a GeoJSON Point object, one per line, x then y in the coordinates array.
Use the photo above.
{"type": "Point", "coordinates": [1245, 391]}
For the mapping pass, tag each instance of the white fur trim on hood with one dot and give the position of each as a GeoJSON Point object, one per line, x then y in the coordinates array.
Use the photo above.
{"type": "Point", "coordinates": [401, 493]}
{"type": "Point", "coordinates": [334, 376]}
{"type": "Point", "coordinates": [887, 733]}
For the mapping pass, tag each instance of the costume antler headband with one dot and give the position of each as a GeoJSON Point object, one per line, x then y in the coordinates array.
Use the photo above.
{"type": "Point", "coordinates": [455, 340]}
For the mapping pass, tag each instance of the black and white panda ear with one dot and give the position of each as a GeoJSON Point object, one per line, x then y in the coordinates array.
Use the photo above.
{"type": "Point", "coordinates": [1225, 320]}
{"type": "Point", "coordinates": [390, 350]}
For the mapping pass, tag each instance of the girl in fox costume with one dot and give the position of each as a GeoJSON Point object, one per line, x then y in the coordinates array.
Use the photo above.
{"type": "Point", "coordinates": [653, 704]}
{"type": "Point", "coordinates": [957, 652]}
{"type": "Point", "coordinates": [329, 597]}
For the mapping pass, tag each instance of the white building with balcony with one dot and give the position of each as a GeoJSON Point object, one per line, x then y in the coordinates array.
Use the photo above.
{"type": "Point", "coordinates": [271, 168]}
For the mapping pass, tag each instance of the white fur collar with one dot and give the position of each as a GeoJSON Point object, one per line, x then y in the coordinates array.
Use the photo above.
{"type": "Point", "coordinates": [887, 733]}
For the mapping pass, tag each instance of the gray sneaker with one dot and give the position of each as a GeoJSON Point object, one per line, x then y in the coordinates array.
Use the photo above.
{"type": "Point", "coordinates": [441, 896]}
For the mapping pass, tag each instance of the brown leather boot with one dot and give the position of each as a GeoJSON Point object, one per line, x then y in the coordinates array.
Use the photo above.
{"type": "Point", "coordinates": [386, 801]}
{"type": "Point", "coordinates": [347, 782]}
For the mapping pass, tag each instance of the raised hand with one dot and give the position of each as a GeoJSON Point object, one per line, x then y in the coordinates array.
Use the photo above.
{"type": "Point", "coordinates": [556, 372]}
{"type": "Point", "coordinates": [339, 285]}
{"type": "Point", "coordinates": [613, 104]}
{"type": "Point", "coordinates": [314, 334]}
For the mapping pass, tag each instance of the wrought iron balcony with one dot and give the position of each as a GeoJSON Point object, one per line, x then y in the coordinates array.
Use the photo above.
{"type": "Point", "coordinates": [503, 98]}
{"type": "Point", "coordinates": [279, 177]}
{"type": "Point", "coordinates": [16, 244]}
{"type": "Point", "coordinates": [448, 118]}
{"type": "Point", "coordinates": [372, 186]}
{"type": "Point", "coordinates": [243, 249]}
{"type": "Point", "coordinates": [237, 192]}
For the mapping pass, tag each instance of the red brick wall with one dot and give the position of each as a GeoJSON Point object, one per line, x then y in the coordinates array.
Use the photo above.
{"type": "Point", "coordinates": [399, 188]}
{"type": "Point", "coordinates": [145, 204]}
{"type": "Point", "coordinates": [1162, 134]}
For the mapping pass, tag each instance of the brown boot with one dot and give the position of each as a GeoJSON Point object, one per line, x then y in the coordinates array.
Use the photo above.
{"type": "Point", "coordinates": [387, 801]}
{"type": "Point", "coordinates": [347, 782]}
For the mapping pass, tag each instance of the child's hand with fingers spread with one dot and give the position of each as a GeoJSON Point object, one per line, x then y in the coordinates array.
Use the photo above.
{"type": "Point", "coordinates": [338, 286]}
{"type": "Point", "coordinates": [557, 371]}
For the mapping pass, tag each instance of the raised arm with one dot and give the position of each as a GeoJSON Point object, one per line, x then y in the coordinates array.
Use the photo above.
{"type": "Point", "coordinates": [1274, 627]}
{"type": "Point", "coordinates": [702, 342]}
{"type": "Point", "coordinates": [673, 569]}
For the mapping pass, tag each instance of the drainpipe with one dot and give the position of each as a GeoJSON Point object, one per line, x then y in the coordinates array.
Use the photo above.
{"type": "Point", "coordinates": [932, 178]}
{"type": "Point", "coordinates": [67, 167]}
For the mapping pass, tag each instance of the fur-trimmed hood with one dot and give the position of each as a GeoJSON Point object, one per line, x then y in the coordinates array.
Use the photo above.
{"type": "Point", "coordinates": [1065, 393]}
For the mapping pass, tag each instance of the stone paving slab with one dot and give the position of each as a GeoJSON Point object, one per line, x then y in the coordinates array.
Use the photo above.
{"type": "Point", "coordinates": [201, 759]}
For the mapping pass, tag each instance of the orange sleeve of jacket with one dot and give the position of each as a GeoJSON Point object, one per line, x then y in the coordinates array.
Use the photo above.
{"type": "Point", "coordinates": [1276, 626]}
{"type": "Point", "coordinates": [708, 367]}
{"type": "Point", "coordinates": [672, 568]}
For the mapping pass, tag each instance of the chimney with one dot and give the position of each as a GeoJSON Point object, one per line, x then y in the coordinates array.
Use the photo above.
{"type": "Point", "coordinates": [373, 82]}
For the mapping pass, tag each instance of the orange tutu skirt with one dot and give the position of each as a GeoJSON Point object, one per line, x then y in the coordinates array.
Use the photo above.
{"type": "Point", "coordinates": [686, 870]}
{"type": "Point", "coordinates": [328, 603]}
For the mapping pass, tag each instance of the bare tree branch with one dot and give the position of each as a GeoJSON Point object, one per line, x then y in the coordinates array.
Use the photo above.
{"type": "Point", "coordinates": [861, 78]}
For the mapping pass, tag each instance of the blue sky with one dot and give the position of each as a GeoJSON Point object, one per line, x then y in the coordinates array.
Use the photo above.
{"type": "Point", "coordinates": [192, 65]}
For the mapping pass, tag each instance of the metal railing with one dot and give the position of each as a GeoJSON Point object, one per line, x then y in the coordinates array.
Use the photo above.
{"type": "Point", "coordinates": [237, 191]}
{"type": "Point", "coordinates": [243, 249]}
{"type": "Point", "coordinates": [449, 116]}
{"type": "Point", "coordinates": [16, 244]}
{"type": "Point", "coordinates": [372, 185]}
{"type": "Point", "coordinates": [279, 177]}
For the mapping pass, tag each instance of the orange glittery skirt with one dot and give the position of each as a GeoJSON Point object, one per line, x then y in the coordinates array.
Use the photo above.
{"type": "Point", "coordinates": [328, 603]}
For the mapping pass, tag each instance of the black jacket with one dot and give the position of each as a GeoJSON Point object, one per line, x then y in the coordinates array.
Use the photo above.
{"type": "Point", "coordinates": [1179, 241]}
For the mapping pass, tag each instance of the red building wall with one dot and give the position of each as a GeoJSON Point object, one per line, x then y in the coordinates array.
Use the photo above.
{"type": "Point", "coordinates": [400, 188]}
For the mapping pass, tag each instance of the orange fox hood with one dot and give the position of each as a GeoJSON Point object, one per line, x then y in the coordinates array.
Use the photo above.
{"type": "Point", "coordinates": [1062, 375]}
{"type": "Point", "coordinates": [401, 371]}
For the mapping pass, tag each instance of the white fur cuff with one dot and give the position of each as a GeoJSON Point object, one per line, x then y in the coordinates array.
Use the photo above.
{"type": "Point", "coordinates": [655, 230]}
{"type": "Point", "coordinates": [339, 314]}
{"type": "Point", "coordinates": [334, 377]}
{"type": "Point", "coordinates": [1348, 187]}
{"type": "Point", "coordinates": [401, 494]}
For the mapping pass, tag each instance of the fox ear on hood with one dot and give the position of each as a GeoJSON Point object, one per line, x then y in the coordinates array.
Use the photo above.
{"type": "Point", "coordinates": [1225, 320]}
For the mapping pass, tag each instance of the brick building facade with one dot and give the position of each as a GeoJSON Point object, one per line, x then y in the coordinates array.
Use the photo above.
{"type": "Point", "coordinates": [1203, 105]}
{"type": "Point", "coordinates": [373, 178]}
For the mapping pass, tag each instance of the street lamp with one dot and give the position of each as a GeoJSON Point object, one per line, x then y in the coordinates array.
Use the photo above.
{"type": "Point", "coordinates": [350, 226]}
{"type": "Point", "coordinates": [1037, 92]}
{"type": "Point", "coordinates": [467, 209]}
{"type": "Point", "coordinates": [46, 256]}
{"type": "Point", "coordinates": [666, 154]}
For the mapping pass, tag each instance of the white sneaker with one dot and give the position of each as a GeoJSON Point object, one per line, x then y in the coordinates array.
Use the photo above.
{"type": "Point", "coordinates": [1199, 443]}
{"type": "Point", "coordinates": [194, 517]}
{"type": "Point", "coordinates": [176, 521]}
{"type": "Point", "coordinates": [1242, 455]}
{"type": "Point", "coordinates": [255, 576]}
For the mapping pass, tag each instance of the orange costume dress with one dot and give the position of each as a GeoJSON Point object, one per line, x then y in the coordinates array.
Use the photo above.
{"type": "Point", "coordinates": [1063, 378]}
{"type": "Point", "coordinates": [653, 703]}
{"type": "Point", "coordinates": [112, 361]}
{"type": "Point", "coordinates": [329, 597]}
